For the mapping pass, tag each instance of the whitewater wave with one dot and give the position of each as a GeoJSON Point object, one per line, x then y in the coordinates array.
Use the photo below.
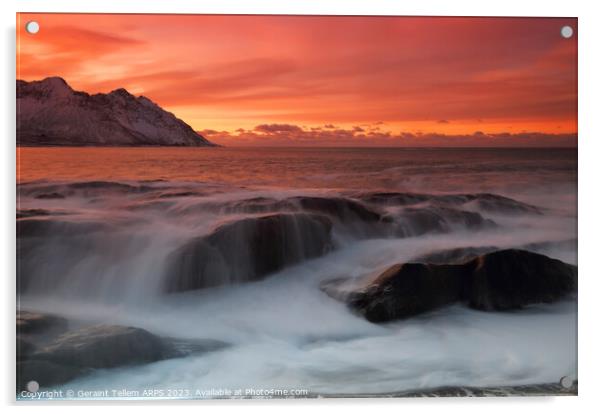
{"type": "Point", "coordinates": [244, 266]}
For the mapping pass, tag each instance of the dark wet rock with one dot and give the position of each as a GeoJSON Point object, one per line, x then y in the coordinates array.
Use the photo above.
{"type": "Point", "coordinates": [258, 205]}
{"type": "Point", "coordinates": [149, 205]}
{"type": "Point", "coordinates": [254, 205]}
{"type": "Point", "coordinates": [179, 194]}
{"type": "Point", "coordinates": [45, 373]}
{"type": "Point", "coordinates": [80, 352]}
{"type": "Point", "coordinates": [353, 217]}
{"type": "Point", "coordinates": [394, 199]}
{"type": "Point", "coordinates": [495, 203]}
{"type": "Point", "coordinates": [50, 196]}
{"type": "Point", "coordinates": [502, 391]}
{"type": "Point", "coordinates": [36, 323]}
{"type": "Point", "coordinates": [24, 348]}
{"type": "Point", "coordinates": [38, 212]}
{"type": "Point", "coordinates": [51, 191]}
{"type": "Point", "coordinates": [543, 247]}
{"type": "Point", "coordinates": [419, 221]}
{"type": "Point", "coordinates": [404, 290]}
{"type": "Point", "coordinates": [248, 250]}
{"type": "Point", "coordinates": [105, 346]}
{"type": "Point", "coordinates": [501, 280]}
{"type": "Point", "coordinates": [531, 390]}
{"type": "Point", "coordinates": [459, 255]}
{"type": "Point", "coordinates": [486, 202]}
{"type": "Point", "coordinates": [454, 256]}
{"type": "Point", "coordinates": [40, 227]}
{"type": "Point", "coordinates": [341, 208]}
{"type": "Point", "coordinates": [511, 279]}
{"type": "Point", "coordinates": [50, 353]}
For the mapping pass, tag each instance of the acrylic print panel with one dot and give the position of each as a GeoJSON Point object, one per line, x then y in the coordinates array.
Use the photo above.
{"type": "Point", "coordinates": [221, 206]}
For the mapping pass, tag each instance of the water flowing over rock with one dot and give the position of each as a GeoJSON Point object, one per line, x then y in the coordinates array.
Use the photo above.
{"type": "Point", "coordinates": [486, 202]}
{"type": "Point", "coordinates": [247, 250]}
{"type": "Point", "coordinates": [49, 112]}
{"type": "Point", "coordinates": [343, 209]}
{"type": "Point", "coordinates": [355, 218]}
{"type": "Point", "coordinates": [501, 280]}
{"type": "Point", "coordinates": [403, 290]}
{"type": "Point", "coordinates": [419, 221]}
{"type": "Point", "coordinates": [105, 346]}
{"type": "Point", "coordinates": [460, 255]}
{"type": "Point", "coordinates": [75, 353]}
{"type": "Point", "coordinates": [50, 352]}
{"type": "Point", "coordinates": [33, 322]}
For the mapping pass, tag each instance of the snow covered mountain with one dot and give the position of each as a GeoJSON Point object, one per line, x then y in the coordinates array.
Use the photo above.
{"type": "Point", "coordinates": [49, 112]}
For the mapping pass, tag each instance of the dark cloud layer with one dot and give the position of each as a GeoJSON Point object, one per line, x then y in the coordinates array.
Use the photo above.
{"type": "Point", "coordinates": [329, 135]}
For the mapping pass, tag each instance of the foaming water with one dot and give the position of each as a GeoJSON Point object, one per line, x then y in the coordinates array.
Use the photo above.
{"type": "Point", "coordinates": [97, 241]}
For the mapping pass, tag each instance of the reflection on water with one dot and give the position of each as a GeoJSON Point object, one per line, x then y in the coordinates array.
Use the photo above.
{"type": "Point", "coordinates": [422, 170]}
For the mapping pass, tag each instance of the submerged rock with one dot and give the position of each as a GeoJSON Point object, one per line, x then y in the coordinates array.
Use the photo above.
{"type": "Point", "coordinates": [419, 221]}
{"type": "Point", "coordinates": [495, 203]}
{"type": "Point", "coordinates": [45, 373]}
{"type": "Point", "coordinates": [531, 390]}
{"type": "Point", "coordinates": [501, 280]}
{"type": "Point", "coordinates": [354, 218]}
{"type": "Point", "coordinates": [343, 209]}
{"type": "Point", "coordinates": [46, 227]}
{"type": "Point", "coordinates": [454, 256]}
{"type": "Point", "coordinates": [487, 202]}
{"type": "Point", "coordinates": [248, 250]}
{"type": "Point", "coordinates": [459, 255]}
{"type": "Point", "coordinates": [105, 346]}
{"type": "Point", "coordinates": [38, 323]}
{"type": "Point", "coordinates": [52, 357]}
{"type": "Point", "coordinates": [61, 190]}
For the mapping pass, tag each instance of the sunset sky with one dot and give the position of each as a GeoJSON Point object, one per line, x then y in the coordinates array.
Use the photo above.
{"type": "Point", "coordinates": [297, 80]}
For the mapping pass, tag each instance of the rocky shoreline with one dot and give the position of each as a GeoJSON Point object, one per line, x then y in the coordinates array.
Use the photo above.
{"type": "Point", "coordinates": [52, 350]}
{"type": "Point", "coordinates": [535, 390]}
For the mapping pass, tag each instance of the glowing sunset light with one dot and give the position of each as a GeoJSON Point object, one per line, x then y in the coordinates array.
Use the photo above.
{"type": "Point", "coordinates": [377, 80]}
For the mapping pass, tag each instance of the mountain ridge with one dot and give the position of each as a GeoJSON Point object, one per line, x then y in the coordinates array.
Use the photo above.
{"type": "Point", "coordinates": [51, 113]}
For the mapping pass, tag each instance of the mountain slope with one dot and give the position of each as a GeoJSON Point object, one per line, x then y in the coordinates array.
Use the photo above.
{"type": "Point", "coordinates": [49, 112]}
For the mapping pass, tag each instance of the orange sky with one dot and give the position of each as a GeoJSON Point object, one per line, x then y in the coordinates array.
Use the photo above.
{"type": "Point", "coordinates": [272, 79]}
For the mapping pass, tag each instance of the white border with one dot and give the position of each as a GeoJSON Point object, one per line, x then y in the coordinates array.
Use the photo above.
{"type": "Point", "coordinates": [590, 201]}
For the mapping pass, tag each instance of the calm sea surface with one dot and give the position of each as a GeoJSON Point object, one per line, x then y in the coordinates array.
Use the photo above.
{"type": "Point", "coordinates": [354, 168]}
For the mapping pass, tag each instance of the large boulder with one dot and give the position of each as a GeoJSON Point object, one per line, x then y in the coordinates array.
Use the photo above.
{"type": "Point", "coordinates": [501, 280]}
{"type": "Point", "coordinates": [37, 323]}
{"type": "Point", "coordinates": [105, 346]}
{"type": "Point", "coordinates": [45, 373]}
{"type": "Point", "coordinates": [403, 290]}
{"type": "Point", "coordinates": [49, 353]}
{"type": "Point", "coordinates": [511, 279]}
{"type": "Point", "coordinates": [248, 250]}
{"type": "Point", "coordinates": [54, 359]}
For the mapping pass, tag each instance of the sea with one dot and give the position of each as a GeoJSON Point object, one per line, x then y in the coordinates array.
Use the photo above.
{"type": "Point", "coordinates": [99, 226]}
